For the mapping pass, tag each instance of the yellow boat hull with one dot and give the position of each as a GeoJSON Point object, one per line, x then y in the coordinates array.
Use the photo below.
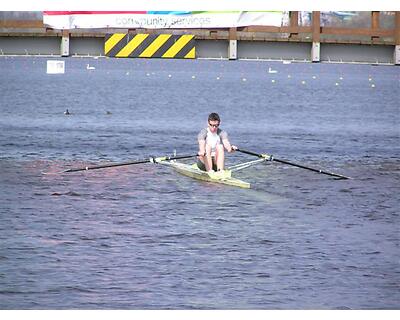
{"type": "Point", "coordinates": [192, 171]}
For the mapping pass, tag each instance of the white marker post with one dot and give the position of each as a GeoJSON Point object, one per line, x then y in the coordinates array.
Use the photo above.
{"type": "Point", "coordinates": [55, 67]}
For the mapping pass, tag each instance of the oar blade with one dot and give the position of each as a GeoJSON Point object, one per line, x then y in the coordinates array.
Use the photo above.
{"type": "Point", "coordinates": [311, 168]}
{"type": "Point", "coordinates": [107, 166]}
{"type": "Point", "coordinates": [111, 165]}
{"type": "Point", "coordinates": [271, 158]}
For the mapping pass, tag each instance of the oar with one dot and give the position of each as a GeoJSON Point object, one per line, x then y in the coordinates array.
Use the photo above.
{"type": "Point", "coordinates": [150, 159]}
{"type": "Point", "coordinates": [271, 158]}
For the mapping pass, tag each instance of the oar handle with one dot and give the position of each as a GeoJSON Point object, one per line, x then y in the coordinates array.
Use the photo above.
{"type": "Point", "coordinates": [167, 158]}
{"type": "Point", "coordinates": [266, 156]}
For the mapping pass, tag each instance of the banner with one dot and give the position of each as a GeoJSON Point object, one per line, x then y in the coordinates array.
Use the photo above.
{"type": "Point", "coordinates": [160, 20]}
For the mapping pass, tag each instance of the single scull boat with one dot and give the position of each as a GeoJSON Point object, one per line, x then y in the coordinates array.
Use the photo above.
{"type": "Point", "coordinates": [223, 177]}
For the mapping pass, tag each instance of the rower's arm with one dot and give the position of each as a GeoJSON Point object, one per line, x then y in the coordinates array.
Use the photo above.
{"type": "Point", "coordinates": [202, 146]}
{"type": "Point", "coordinates": [228, 146]}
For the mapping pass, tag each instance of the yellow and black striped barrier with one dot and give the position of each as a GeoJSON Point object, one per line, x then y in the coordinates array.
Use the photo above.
{"type": "Point", "coordinates": [122, 45]}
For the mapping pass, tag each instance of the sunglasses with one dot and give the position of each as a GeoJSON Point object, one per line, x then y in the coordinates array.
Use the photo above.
{"type": "Point", "coordinates": [213, 125]}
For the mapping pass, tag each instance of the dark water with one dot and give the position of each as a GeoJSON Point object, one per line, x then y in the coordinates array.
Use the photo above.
{"type": "Point", "coordinates": [145, 237]}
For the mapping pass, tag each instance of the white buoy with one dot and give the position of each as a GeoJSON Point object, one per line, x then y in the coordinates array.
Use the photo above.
{"type": "Point", "coordinates": [218, 78]}
{"type": "Point", "coordinates": [337, 83]}
{"type": "Point", "coordinates": [289, 76]}
{"type": "Point", "coordinates": [372, 86]}
{"type": "Point", "coordinates": [303, 82]}
{"type": "Point", "coordinates": [89, 67]}
{"type": "Point", "coordinates": [314, 77]}
{"type": "Point", "coordinates": [169, 76]}
{"type": "Point", "coordinates": [193, 77]}
{"type": "Point", "coordinates": [273, 81]}
{"type": "Point", "coordinates": [341, 78]}
{"type": "Point", "coordinates": [244, 79]}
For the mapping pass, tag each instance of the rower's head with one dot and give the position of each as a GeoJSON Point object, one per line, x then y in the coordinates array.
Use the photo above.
{"type": "Point", "coordinates": [213, 121]}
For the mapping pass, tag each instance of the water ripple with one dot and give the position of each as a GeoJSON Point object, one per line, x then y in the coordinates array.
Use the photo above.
{"type": "Point", "coordinates": [145, 237]}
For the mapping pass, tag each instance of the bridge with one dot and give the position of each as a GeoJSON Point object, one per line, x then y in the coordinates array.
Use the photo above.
{"type": "Point", "coordinates": [296, 40]}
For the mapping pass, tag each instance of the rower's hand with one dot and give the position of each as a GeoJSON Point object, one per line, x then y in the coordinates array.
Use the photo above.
{"type": "Point", "coordinates": [201, 154]}
{"type": "Point", "coordinates": [233, 148]}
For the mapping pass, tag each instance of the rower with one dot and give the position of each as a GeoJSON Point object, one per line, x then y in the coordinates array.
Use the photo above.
{"type": "Point", "coordinates": [212, 142]}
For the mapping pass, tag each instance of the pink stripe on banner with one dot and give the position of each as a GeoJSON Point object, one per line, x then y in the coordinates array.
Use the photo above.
{"type": "Point", "coordinates": [67, 13]}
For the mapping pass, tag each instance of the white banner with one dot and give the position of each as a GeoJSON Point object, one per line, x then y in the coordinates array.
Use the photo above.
{"type": "Point", "coordinates": [210, 5]}
{"type": "Point", "coordinates": [89, 20]}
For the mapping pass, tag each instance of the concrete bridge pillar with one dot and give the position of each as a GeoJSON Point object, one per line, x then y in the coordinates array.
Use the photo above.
{"type": "Point", "coordinates": [397, 54]}
{"type": "Point", "coordinates": [65, 43]}
{"type": "Point", "coordinates": [232, 51]}
{"type": "Point", "coordinates": [315, 52]}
